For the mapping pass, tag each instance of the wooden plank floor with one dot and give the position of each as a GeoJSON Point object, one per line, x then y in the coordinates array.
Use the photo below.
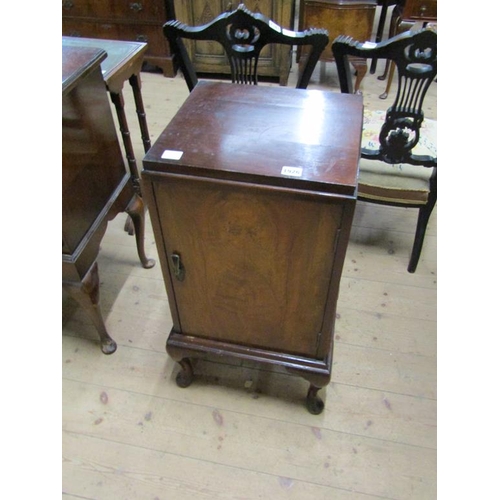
{"type": "Point", "coordinates": [241, 431]}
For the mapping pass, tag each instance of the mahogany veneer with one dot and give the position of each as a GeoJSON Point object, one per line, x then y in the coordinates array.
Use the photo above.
{"type": "Point", "coordinates": [252, 223]}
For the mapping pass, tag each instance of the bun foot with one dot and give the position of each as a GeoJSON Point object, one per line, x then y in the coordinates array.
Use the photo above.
{"type": "Point", "coordinates": [314, 403]}
{"type": "Point", "coordinates": [108, 346]}
{"type": "Point", "coordinates": [148, 263]}
{"type": "Point", "coordinates": [185, 377]}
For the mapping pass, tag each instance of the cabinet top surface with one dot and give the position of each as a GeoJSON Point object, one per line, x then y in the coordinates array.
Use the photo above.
{"type": "Point", "coordinates": [303, 139]}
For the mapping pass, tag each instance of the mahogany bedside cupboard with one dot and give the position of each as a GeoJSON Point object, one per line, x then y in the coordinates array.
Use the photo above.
{"type": "Point", "coordinates": [251, 192]}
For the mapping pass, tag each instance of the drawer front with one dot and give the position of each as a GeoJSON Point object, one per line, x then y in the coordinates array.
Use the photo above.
{"type": "Point", "coordinates": [131, 10]}
{"type": "Point", "coordinates": [147, 33]}
{"type": "Point", "coordinates": [421, 10]}
{"type": "Point", "coordinates": [354, 20]}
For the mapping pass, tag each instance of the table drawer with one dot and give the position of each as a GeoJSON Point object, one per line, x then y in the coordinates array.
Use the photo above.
{"type": "Point", "coordinates": [420, 10]}
{"type": "Point", "coordinates": [131, 10]}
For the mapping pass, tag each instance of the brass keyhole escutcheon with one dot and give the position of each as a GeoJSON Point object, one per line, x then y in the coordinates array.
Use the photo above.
{"type": "Point", "coordinates": [177, 266]}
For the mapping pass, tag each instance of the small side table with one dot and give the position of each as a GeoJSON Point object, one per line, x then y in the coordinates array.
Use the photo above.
{"type": "Point", "coordinates": [96, 185]}
{"type": "Point", "coordinates": [123, 62]}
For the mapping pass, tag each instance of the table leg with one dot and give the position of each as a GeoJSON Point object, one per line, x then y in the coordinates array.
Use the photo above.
{"type": "Point", "coordinates": [118, 101]}
{"type": "Point", "coordinates": [135, 210]}
{"type": "Point", "coordinates": [86, 294]}
{"type": "Point", "coordinates": [392, 68]}
{"type": "Point", "coordinates": [361, 67]}
{"type": "Point", "coordinates": [135, 82]}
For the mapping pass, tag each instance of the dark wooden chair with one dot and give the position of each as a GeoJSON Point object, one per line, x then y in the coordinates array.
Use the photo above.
{"type": "Point", "coordinates": [398, 163]}
{"type": "Point", "coordinates": [243, 34]}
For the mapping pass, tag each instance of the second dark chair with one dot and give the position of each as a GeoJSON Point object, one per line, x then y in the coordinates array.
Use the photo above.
{"type": "Point", "coordinates": [398, 163]}
{"type": "Point", "coordinates": [243, 34]}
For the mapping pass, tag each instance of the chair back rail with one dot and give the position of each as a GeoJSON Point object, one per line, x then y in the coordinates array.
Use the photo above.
{"type": "Point", "coordinates": [243, 34]}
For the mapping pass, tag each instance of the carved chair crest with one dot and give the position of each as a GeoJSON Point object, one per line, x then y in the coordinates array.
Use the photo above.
{"type": "Point", "coordinates": [243, 34]}
{"type": "Point", "coordinates": [415, 56]}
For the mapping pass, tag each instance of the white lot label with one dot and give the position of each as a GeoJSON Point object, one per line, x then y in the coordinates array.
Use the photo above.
{"type": "Point", "coordinates": [292, 171]}
{"type": "Point", "coordinates": [170, 154]}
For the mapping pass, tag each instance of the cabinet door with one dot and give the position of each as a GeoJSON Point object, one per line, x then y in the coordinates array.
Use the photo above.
{"type": "Point", "coordinates": [256, 263]}
{"type": "Point", "coordinates": [199, 12]}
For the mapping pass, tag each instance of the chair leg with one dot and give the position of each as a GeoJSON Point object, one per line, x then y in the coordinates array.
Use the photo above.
{"type": "Point", "coordinates": [389, 82]}
{"type": "Point", "coordinates": [423, 218]}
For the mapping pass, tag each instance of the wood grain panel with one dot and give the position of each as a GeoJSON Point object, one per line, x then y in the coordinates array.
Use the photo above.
{"type": "Point", "coordinates": [258, 265]}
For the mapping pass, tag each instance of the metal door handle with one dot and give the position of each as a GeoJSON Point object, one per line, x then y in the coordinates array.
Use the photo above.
{"type": "Point", "coordinates": [178, 267]}
{"type": "Point", "coordinates": [136, 6]}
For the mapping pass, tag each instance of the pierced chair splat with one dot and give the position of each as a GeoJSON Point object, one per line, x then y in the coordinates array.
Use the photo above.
{"type": "Point", "coordinates": [243, 34]}
{"type": "Point", "coordinates": [398, 163]}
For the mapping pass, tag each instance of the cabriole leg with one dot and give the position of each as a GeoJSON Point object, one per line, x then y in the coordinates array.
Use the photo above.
{"type": "Point", "coordinates": [136, 211]}
{"type": "Point", "coordinates": [86, 294]}
{"type": "Point", "coordinates": [314, 403]}
{"type": "Point", "coordinates": [185, 376]}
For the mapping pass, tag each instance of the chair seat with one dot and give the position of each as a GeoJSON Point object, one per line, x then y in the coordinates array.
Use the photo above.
{"type": "Point", "coordinates": [399, 183]}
